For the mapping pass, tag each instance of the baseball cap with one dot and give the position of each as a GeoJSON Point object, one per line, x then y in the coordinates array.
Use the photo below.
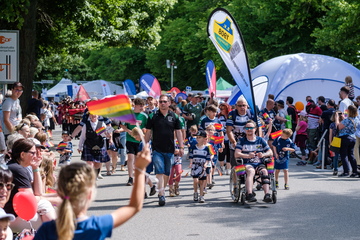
{"type": "Point", "coordinates": [281, 102]}
{"type": "Point", "coordinates": [65, 132]}
{"type": "Point", "coordinates": [303, 113]}
{"type": "Point", "coordinates": [190, 95]}
{"type": "Point", "coordinates": [201, 133]}
{"type": "Point", "coordinates": [37, 143]}
{"type": "Point", "coordinates": [17, 84]}
{"type": "Point", "coordinates": [3, 214]}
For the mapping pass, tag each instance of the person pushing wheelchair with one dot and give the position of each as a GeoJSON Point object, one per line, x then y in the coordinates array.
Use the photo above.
{"type": "Point", "coordinates": [254, 150]}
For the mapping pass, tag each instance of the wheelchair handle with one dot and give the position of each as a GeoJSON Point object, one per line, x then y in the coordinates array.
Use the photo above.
{"type": "Point", "coordinates": [240, 161]}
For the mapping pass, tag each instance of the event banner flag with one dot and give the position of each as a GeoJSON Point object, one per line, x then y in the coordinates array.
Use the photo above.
{"type": "Point", "coordinates": [82, 95]}
{"type": "Point", "coordinates": [151, 85]}
{"type": "Point", "coordinates": [211, 77]}
{"type": "Point", "coordinates": [129, 87]}
{"type": "Point", "coordinates": [225, 34]}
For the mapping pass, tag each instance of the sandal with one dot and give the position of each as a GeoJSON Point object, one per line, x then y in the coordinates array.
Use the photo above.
{"type": "Point", "coordinates": [113, 171]}
{"type": "Point", "coordinates": [108, 173]}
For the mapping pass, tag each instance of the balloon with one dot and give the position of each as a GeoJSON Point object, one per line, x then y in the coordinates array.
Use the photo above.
{"type": "Point", "coordinates": [25, 205]}
{"type": "Point", "coordinates": [299, 106]}
{"type": "Point", "coordinates": [28, 237]}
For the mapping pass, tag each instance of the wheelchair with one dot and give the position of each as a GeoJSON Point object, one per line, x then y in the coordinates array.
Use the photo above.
{"type": "Point", "coordinates": [239, 193]}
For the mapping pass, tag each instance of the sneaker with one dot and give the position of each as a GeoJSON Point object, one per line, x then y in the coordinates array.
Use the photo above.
{"type": "Point", "coordinates": [343, 175]}
{"type": "Point", "coordinates": [202, 200]}
{"type": "Point", "coordinates": [161, 200]}
{"type": "Point", "coordinates": [205, 191]}
{"type": "Point", "coordinates": [267, 198]}
{"type": "Point", "coordinates": [211, 186]}
{"type": "Point", "coordinates": [213, 181]}
{"type": "Point", "coordinates": [152, 191]}
{"type": "Point", "coordinates": [130, 181]}
{"type": "Point", "coordinates": [172, 192]}
{"type": "Point", "coordinates": [196, 196]}
{"type": "Point", "coordinates": [228, 171]}
{"type": "Point", "coordinates": [335, 173]}
{"type": "Point", "coordinates": [287, 187]}
{"type": "Point", "coordinates": [250, 197]}
{"type": "Point", "coordinates": [146, 196]}
{"type": "Point", "coordinates": [276, 184]}
{"type": "Point", "coordinates": [301, 163]}
{"type": "Point", "coordinates": [100, 176]}
{"type": "Point", "coordinates": [353, 175]}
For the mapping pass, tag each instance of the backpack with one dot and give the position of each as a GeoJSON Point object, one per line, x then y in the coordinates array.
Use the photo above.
{"type": "Point", "coordinates": [297, 113]}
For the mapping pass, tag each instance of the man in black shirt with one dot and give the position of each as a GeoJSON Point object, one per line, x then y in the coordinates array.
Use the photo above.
{"type": "Point", "coordinates": [321, 103]}
{"type": "Point", "coordinates": [163, 123]}
{"type": "Point", "coordinates": [325, 120]}
{"type": "Point", "coordinates": [34, 104]}
{"type": "Point", "coordinates": [291, 110]}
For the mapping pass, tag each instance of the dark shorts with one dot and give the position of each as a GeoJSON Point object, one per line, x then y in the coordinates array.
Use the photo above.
{"type": "Point", "coordinates": [110, 147]}
{"type": "Point", "coordinates": [232, 158]}
{"type": "Point", "coordinates": [200, 178]}
{"type": "Point", "coordinates": [225, 154]}
{"type": "Point", "coordinates": [208, 169]}
{"type": "Point", "coordinates": [132, 147]}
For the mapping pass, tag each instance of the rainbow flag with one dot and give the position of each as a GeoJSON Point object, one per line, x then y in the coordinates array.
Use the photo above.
{"type": "Point", "coordinates": [186, 141]}
{"type": "Point", "coordinates": [187, 173]}
{"type": "Point", "coordinates": [116, 107]}
{"type": "Point", "coordinates": [270, 166]}
{"type": "Point", "coordinates": [276, 134]}
{"type": "Point", "coordinates": [219, 171]}
{"type": "Point", "coordinates": [179, 174]}
{"type": "Point", "coordinates": [216, 140]}
{"type": "Point", "coordinates": [168, 92]}
{"type": "Point", "coordinates": [100, 130]}
{"type": "Point", "coordinates": [266, 116]}
{"type": "Point", "coordinates": [346, 115]}
{"type": "Point", "coordinates": [211, 149]}
{"type": "Point", "coordinates": [48, 133]}
{"type": "Point", "coordinates": [49, 144]}
{"type": "Point", "coordinates": [212, 139]}
{"type": "Point", "coordinates": [62, 146]}
{"type": "Point", "coordinates": [218, 126]}
{"type": "Point", "coordinates": [50, 190]}
{"type": "Point", "coordinates": [240, 170]}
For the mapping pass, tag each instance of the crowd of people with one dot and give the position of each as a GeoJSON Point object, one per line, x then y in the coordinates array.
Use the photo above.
{"type": "Point", "coordinates": [211, 130]}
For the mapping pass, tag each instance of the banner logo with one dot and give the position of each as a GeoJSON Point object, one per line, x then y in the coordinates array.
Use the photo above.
{"type": "Point", "coordinates": [224, 34]}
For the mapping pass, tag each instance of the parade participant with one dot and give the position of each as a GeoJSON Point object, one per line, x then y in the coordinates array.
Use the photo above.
{"type": "Point", "coordinates": [210, 130]}
{"type": "Point", "coordinates": [253, 149]}
{"type": "Point", "coordinates": [211, 119]}
{"type": "Point", "coordinates": [192, 112]}
{"type": "Point", "coordinates": [77, 188]}
{"type": "Point", "coordinates": [235, 125]}
{"type": "Point", "coordinates": [11, 109]}
{"type": "Point", "coordinates": [163, 123]}
{"type": "Point", "coordinates": [65, 149]}
{"type": "Point", "coordinates": [91, 145]}
{"type": "Point", "coordinates": [225, 154]}
{"type": "Point", "coordinates": [132, 146]}
{"type": "Point", "coordinates": [150, 105]}
{"type": "Point", "coordinates": [199, 156]}
{"type": "Point", "coordinates": [282, 146]}
{"type": "Point", "coordinates": [182, 121]}
{"type": "Point", "coordinates": [176, 168]}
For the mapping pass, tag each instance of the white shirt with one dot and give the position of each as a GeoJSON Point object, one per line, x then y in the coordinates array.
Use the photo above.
{"type": "Point", "coordinates": [83, 132]}
{"type": "Point", "coordinates": [344, 104]}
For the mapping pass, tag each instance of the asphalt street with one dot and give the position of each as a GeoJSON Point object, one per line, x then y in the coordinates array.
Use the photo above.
{"type": "Point", "coordinates": [317, 206]}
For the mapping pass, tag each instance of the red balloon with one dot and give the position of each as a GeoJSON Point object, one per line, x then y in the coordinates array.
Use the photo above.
{"type": "Point", "coordinates": [25, 205]}
{"type": "Point", "coordinates": [28, 237]}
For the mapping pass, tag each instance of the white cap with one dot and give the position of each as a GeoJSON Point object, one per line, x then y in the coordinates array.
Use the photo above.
{"type": "Point", "coordinates": [3, 214]}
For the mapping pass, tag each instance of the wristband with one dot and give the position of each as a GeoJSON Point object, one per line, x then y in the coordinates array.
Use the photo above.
{"type": "Point", "coordinates": [181, 147]}
{"type": "Point", "coordinates": [36, 170]}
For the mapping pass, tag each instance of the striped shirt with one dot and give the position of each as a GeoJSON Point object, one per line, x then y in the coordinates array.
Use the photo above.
{"type": "Point", "coordinates": [199, 157]}
{"type": "Point", "coordinates": [258, 145]}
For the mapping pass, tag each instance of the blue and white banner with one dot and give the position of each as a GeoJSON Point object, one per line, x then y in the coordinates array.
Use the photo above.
{"type": "Point", "coordinates": [225, 34]}
{"type": "Point", "coordinates": [129, 87]}
{"type": "Point", "coordinates": [105, 88]}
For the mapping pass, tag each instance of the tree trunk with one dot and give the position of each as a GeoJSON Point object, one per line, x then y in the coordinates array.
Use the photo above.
{"type": "Point", "coordinates": [27, 54]}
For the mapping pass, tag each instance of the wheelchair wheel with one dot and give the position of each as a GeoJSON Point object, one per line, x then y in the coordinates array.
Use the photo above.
{"type": "Point", "coordinates": [235, 195]}
{"type": "Point", "coordinates": [242, 200]}
{"type": "Point", "coordinates": [274, 197]}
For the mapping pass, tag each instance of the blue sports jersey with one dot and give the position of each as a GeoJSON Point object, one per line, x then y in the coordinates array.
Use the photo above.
{"type": "Point", "coordinates": [223, 122]}
{"type": "Point", "coordinates": [276, 124]}
{"type": "Point", "coordinates": [280, 143]}
{"type": "Point", "coordinates": [216, 148]}
{"type": "Point", "coordinates": [207, 121]}
{"type": "Point", "coordinates": [238, 123]}
{"type": "Point", "coordinates": [199, 157]}
{"type": "Point", "coordinates": [177, 158]}
{"type": "Point", "coordinates": [257, 146]}
{"type": "Point", "coordinates": [192, 141]}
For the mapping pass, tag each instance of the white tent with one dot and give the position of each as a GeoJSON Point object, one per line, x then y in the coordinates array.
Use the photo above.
{"type": "Point", "coordinates": [300, 75]}
{"type": "Point", "coordinates": [101, 88]}
{"type": "Point", "coordinates": [61, 87]}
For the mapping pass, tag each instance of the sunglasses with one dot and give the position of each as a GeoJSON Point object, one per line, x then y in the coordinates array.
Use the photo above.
{"type": "Point", "coordinates": [32, 153]}
{"type": "Point", "coordinates": [8, 186]}
{"type": "Point", "coordinates": [163, 102]}
{"type": "Point", "coordinates": [249, 128]}
{"type": "Point", "coordinates": [241, 105]}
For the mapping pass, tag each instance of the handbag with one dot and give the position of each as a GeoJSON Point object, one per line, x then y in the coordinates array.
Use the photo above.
{"type": "Point", "coordinates": [336, 143]}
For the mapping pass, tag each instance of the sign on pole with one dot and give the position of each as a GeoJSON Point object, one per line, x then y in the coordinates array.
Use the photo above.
{"type": "Point", "coordinates": [9, 56]}
{"type": "Point", "coordinates": [188, 88]}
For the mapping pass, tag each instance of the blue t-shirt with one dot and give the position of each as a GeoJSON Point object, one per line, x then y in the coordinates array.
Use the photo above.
{"type": "Point", "coordinates": [66, 156]}
{"type": "Point", "coordinates": [207, 121]}
{"type": "Point", "coordinates": [280, 143]}
{"type": "Point", "coordinates": [95, 227]}
{"type": "Point", "coordinates": [198, 157]}
{"type": "Point", "coordinates": [349, 128]}
{"type": "Point", "coordinates": [192, 141]}
{"type": "Point", "coordinates": [257, 146]}
{"type": "Point", "coordinates": [216, 148]}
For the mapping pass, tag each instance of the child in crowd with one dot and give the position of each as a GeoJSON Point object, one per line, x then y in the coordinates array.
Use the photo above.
{"type": "Point", "coordinates": [282, 146]}
{"type": "Point", "coordinates": [332, 134]}
{"type": "Point", "coordinates": [301, 136]}
{"type": "Point", "coordinates": [266, 130]}
{"type": "Point", "coordinates": [210, 170]}
{"type": "Point", "coordinates": [76, 186]}
{"type": "Point", "coordinates": [199, 156]}
{"type": "Point", "coordinates": [349, 83]}
{"type": "Point", "coordinates": [177, 168]}
{"type": "Point", "coordinates": [65, 149]}
{"type": "Point", "coordinates": [135, 133]}
{"type": "Point", "coordinates": [5, 219]}
{"type": "Point", "coordinates": [47, 173]}
{"type": "Point", "coordinates": [192, 137]}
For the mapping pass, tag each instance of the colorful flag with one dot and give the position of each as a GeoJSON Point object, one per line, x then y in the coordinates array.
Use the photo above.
{"type": "Point", "coordinates": [346, 114]}
{"type": "Point", "coordinates": [129, 87]}
{"type": "Point", "coordinates": [212, 139]}
{"type": "Point", "coordinates": [49, 144]}
{"type": "Point", "coordinates": [270, 166]}
{"type": "Point", "coordinates": [266, 116]}
{"type": "Point", "coordinates": [211, 77]}
{"type": "Point", "coordinates": [76, 110]}
{"type": "Point", "coordinates": [219, 171]}
{"type": "Point", "coordinates": [50, 190]}
{"type": "Point", "coordinates": [116, 107]}
{"type": "Point", "coordinates": [276, 134]}
{"type": "Point", "coordinates": [219, 140]}
{"type": "Point", "coordinates": [82, 95]}
{"type": "Point", "coordinates": [186, 141]}
{"type": "Point", "coordinates": [100, 130]}
{"type": "Point", "coordinates": [61, 146]}
{"type": "Point", "coordinates": [218, 126]}
{"type": "Point", "coordinates": [211, 149]}
{"type": "Point", "coordinates": [179, 174]}
{"type": "Point", "coordinates": [187, 173]}
{"type": "Point", "coordinates": [240, 170]}
{"type": "Point", "coordinates": [48, 133]}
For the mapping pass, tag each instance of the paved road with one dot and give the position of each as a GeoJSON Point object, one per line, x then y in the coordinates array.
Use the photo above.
{"type": "Point", "coordinates": [317, 206]}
